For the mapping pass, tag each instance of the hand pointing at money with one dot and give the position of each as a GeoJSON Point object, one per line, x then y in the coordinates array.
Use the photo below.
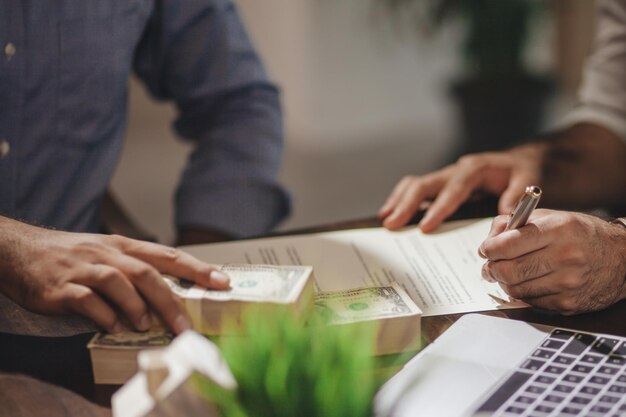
{"type": "Point", "coordinates": [109, 279]}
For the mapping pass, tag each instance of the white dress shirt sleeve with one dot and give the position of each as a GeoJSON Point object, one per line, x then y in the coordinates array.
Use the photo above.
{"type": "Point", "coordinates": [602, 95]}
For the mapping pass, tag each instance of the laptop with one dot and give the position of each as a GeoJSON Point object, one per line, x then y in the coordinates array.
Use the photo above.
{"type": "Point", "coordinates": [489, 366]}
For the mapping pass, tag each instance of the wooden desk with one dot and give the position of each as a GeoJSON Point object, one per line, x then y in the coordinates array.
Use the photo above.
{"type": "Point", "coordinates": [65, 361]}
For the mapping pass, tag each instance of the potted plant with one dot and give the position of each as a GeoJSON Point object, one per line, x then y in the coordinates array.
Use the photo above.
{"type": "Point", "coordinates": [285, 369]}
{"type": "Point", "coordinates": [500, 100]}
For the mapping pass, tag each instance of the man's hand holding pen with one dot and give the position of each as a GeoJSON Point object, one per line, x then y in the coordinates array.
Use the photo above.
{"type": "Point", "coordinates": [561, 261]}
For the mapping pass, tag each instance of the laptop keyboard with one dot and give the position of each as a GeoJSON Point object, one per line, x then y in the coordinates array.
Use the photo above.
{"type": "Point", "coordinates": [568, 374]}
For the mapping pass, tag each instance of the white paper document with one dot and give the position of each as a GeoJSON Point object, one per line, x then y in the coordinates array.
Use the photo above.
{"type": "Point", "coordinates": [440, 271]}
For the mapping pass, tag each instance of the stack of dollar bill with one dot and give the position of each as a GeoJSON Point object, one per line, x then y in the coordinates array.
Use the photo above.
{"type": "Point", "coordinates": [263, 287]}
{"type": "Point", "coordinates": [114, 356]}
{"type": "Point", "coordinates": [395, 315]}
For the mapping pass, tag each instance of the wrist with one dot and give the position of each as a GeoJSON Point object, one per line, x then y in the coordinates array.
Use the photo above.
{"type": "Point", "coordinates": [620, 228]}
{"type": "Point", "coordinates": [11, 245]}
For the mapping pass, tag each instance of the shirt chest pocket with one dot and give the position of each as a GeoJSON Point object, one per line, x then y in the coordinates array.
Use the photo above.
{"type": "Point", "coordinates": [94, 65]}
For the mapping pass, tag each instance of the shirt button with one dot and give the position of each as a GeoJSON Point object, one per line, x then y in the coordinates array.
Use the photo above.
{"type": "Point", "coordinates": [9, 50]}
{"type": "Point", "coordinates": [4, 148]}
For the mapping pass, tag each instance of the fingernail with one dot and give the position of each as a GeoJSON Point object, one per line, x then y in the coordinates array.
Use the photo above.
{"type": "Point", "coordinates": [117, 328]}
{"type": "Point", "coordinates": [181, 323]}
{"type": "Point", "coordinates": [145, 322]}
{"type": "Point", "coordinates": [426, 229]}
{"type": "Point", "coordinates": [220, 278]}
{"type": "Point", "coordinates": [481, 253]}
{"type": "Point", "coordinates": [392, 217]}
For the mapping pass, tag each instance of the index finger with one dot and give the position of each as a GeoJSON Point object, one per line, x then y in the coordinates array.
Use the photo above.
{"type": "Point", "coordinates": [154, 290]}
{"type": "Point", "coordinates": [514, 243]}
{"type": "Point", "coordinates": [175, 262]}
{"type": "Point", "coordinates": [497, 226]}
{"type": "Point", "coordinates": [454, 193]}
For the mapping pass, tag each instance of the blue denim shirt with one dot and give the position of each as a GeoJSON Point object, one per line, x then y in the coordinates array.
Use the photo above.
{"type": "Point", "coordinates": [64, 69]}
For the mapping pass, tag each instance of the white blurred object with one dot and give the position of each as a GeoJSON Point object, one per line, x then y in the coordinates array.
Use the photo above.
{"type": "Point", "coordinates": [452, 375]}
{"type": "Point", "coordinates": [164, 386]}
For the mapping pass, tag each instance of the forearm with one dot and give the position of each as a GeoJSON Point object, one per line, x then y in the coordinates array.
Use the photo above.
{"type": "Point", "coordinates": [584, 166]}
{"type": "Point", "coordinates": [229, 183]}
{"type": "Point", "coordinates": [13, 236]}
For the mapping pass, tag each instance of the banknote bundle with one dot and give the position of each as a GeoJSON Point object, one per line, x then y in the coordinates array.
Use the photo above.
{"type": "Point", "coordinates": [395, 315]}
{"type": "Point", "coordinates": [264, 287]}
{"type": "Point", "coordinates": [114, 356]}
{"type": "Point", "coordinates": [212, 312]}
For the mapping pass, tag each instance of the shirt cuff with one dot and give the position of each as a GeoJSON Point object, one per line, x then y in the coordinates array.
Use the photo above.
{"type": "Point", "coordinates": [237, 209]}
{"type": "Point", "coordinates": [616, 123]}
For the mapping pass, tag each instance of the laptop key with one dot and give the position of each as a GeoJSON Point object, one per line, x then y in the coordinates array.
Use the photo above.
{"type": "Point", "coordinates": [561, 334]}
{"type": "Point", "coordinates": [553, 398]}
{"type": "Point", "coordinates": [544, 379]}
{"type": "Point", "coordinates": [515, 410]}
{"type": "Point", "coordinates": [543, 353]}
{"type": "Point", "coordinates": [608, 370]}
{"type": "Point", "coordinates": [554, 369]}
{"type": "Point", "coordinates": [604, 345]}
{"type": "Point", "coordinates": [591, 359]}
{"type": "Point", "coordinates": [609, 399]}
{"type": "Point", "coordinates": [532, 364]}
{"type": "Point", "coordinates": [504, 392]}
{"type": "Point", "coordinates": [621, 350]}
{"type": "Point", "coordinates": [553, 344]}
{"type": "Point", "coordinates": [572, 411]}
{"type": "Point", "coordinates": [590, 390]}
{"type": "Point", "coordinates": [544, 409]}
{"type": "Point", "coordinates": [563, 360]}
{"type": "Point", "coordinates": [524, 399]}
{"type": "Point", "coordinates": [535, 389]}
{"type": "Point", "coordinates": [616, 360]}
{"type": "Point", "coordinates": [600, 409]}
{"type": "Point", "coordinates": [573, 378]}
{"type": "Point", "coordinates": [581, 400]}
{"type": "Point", "coordinates": [622, 378]}
{"type": "Point", "coordinates": [564, 388]}
{"type": "Point", "coordinates": [618, 389]}
{"type": "Point", "coordinates": [584, 369]}
{"type": "Point", "coordinates": [580, 342]}
{"type": "Point", "coordinates": [600, 380]}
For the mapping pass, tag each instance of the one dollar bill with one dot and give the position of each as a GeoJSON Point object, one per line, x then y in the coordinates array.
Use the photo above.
{"type": "Point", "coordinates": [217, 312]}
{"type": "Point", "coordinates": [396, 316]}
{"type": "Point", "coordinates": [255, 283]}
{"type": "Point", "coordinates": [363, 304]}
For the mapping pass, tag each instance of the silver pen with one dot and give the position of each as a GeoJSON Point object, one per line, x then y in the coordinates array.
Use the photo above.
{"type": "Point", "coordinates": [524, 208]}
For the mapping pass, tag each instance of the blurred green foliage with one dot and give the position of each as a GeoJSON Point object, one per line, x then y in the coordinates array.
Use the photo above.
{"type": "Point", "coordinates": [285, 369]}
{"type": "Point", "coordinates": [497, 31]}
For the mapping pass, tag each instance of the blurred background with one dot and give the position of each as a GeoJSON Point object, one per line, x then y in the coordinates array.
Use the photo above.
{"type": "Point", "coordinates": [373, 90]}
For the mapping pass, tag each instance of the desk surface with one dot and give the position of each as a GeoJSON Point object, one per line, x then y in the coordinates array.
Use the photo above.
{"type": "Point", "coordinates": [65, 362]}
